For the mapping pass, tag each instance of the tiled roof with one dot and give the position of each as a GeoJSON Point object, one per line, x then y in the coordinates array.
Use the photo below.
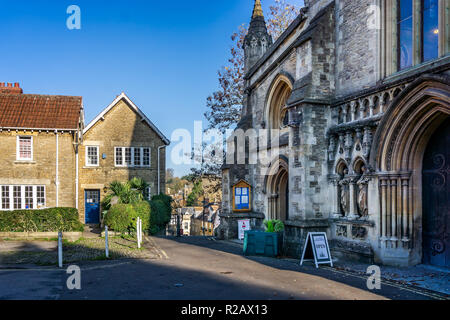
{"type": "Point", "coordinates": [31, 111]}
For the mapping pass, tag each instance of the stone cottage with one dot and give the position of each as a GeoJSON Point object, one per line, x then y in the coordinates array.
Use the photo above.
{"type": "Point", "coordinates": [121, 143]}
{"type": "Point", "coordinates": [354, 101]}
{"type": "Point", "coordinates": [39, 138]}
{"type": "Point", "coordinates": [48, 158]}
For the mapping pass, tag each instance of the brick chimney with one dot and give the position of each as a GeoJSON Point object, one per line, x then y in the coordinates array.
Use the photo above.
{"type": "Point", "coordinates": [10, 89]}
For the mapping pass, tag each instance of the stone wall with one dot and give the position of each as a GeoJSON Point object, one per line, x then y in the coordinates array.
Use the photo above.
{"type": "Point", "coordinates": [357, 46]}
{"type": "Point", "coordinates": [121, 127]}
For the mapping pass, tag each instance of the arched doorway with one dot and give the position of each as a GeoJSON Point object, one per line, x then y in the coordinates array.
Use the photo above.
{"type": "Point", "coordinates": [398, 152]}
{"type": "Point", "coordinates": [436, 198]}
{"type": "Point", "coordinates": [278, 191]}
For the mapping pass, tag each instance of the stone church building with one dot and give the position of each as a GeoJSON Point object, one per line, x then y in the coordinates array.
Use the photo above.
{"type": "Point", "coordinates": [355, 96]}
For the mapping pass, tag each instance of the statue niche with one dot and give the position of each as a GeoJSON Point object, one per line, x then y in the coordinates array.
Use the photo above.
{"type": "Point", "coordinates": [362, 183]}
{"type": "Point", "coordinates": [344, 192]}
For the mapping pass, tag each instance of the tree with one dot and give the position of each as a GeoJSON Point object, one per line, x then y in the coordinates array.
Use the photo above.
{"type": "Point", "coordinates": [225, 105]}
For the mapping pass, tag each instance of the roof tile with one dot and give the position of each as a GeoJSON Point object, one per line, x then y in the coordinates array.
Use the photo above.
{"type": "Point", "coordinates": [39, 111]}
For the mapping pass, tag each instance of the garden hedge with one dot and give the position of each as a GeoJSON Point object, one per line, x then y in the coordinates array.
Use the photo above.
{"type": "Point", "coordinates": [45, 220]}
{"type": "Point", "coordinates": [123, 217]}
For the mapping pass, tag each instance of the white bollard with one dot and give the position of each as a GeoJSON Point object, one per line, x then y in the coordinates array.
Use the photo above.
{"type": "Point", "coordinates": [60, 250]}
{"type": "Point", "coordinates": [106, 242]}
{"type": "Point", "coordinates": [140, 229]}
{"type": "Point", "coordinates": [138, 232]}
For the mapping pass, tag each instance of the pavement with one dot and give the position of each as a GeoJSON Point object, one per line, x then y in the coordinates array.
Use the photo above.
{"type": "Point", "coordinates": [421, 276]}
{"type": "Point", "coordinates": [197, 268]}
{"type": "Point", "coordinates": [28, 246]}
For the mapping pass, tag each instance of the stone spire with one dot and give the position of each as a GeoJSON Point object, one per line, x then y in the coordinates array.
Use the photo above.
{"type": "Point", "coordinates": [257, 40]}
{"type": "Point", "coordinates": [257, 10]}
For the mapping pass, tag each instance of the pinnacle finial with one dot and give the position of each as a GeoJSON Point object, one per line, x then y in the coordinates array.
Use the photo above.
{"type": "Point", "coordinates": [257, 11]}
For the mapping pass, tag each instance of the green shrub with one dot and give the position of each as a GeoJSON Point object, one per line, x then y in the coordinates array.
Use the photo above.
{"type": "Point", "coordinates": [161, 211]}
{"type": "Point", "coordinates": [141, 210]}
{"type": "Point", "coordinates": [274, 225]}
{"type": "Point", "coordinates": [119, 217]}
{"type": "Point", "coordinates": [46, 220]}
{"type": "Point", "coordinates": [123, 217]}
{"type": "Point", "coordinates": [166, 199]}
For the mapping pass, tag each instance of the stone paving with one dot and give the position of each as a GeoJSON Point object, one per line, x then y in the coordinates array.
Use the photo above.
{"type": "Point", "coordinates": [422, 276]}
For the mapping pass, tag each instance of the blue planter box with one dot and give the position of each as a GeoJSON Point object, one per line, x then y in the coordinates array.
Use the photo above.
{"type": "Point", "coordinates": [260, 243]}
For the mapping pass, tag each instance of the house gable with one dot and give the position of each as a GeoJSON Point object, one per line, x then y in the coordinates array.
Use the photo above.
{"type": "Point", "coordinates": [121, 101]}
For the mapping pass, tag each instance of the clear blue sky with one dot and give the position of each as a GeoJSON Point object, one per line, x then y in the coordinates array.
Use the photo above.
{"type": "Point", "coordinates": [163, 54]}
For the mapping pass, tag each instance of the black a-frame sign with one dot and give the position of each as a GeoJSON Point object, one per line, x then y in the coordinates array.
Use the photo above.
{"type": "Point", "coordinates": [317, 249]}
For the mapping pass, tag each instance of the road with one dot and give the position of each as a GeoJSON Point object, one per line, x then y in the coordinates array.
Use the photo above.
{"type": "Point", "coordinates": [196, 269]}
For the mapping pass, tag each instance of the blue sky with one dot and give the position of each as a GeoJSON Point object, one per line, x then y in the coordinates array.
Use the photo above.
{"type": "Point", "coordinates": [163, 54]}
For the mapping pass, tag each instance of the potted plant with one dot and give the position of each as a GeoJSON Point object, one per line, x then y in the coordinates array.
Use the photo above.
{"type": "Point", "coordinates": [267, 243]}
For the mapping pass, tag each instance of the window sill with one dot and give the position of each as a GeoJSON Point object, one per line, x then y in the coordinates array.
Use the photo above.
{"type": "Point", "coordinates": [24, 162]}
{"type": "Point", "coordinates": [91, 167]}
{"type": "Point", "coordinates": [136, 168]}
{"type": "Point", "coordinates": [423, 67]}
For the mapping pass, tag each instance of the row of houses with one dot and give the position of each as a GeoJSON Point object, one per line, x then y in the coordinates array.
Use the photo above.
{"type": "Point", "coordinates": [195, 221]}
{"type": "Point", "coordinates": [50, 158]}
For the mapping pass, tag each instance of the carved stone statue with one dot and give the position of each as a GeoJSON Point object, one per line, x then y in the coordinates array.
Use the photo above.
{"type": "Point", "coordinates": [345, 193]}
{"type": "Point", "coordinates": [362, 193]}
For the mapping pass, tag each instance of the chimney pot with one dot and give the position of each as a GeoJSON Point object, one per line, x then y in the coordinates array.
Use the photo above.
{"type": "Point", "coordinates": [10, 88]}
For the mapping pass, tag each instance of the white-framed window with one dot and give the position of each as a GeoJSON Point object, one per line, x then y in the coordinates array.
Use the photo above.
{"type": "Point", "coordinates": [17, 197]}
{"type": "Point", "coordinates": [24, 148]}
{"type": "Point", "coordinates": [132, 157]}
{"type": "Point", "coordinates": [40, 196]}
{"type": "Point", "coordinates": [146, 157]}
{"type": "Point", "coordinates": [148, 193]}
{"type": "Point", "coordinates": [118, 157]}
{"type": "Point", "coordinates": [6, 198]}
{"type": "Point", "coordinates": [92, 156]}
{"type": "Point", "coordinates": [128, 157]}
{"type": "Point", "coordinates": [29, 197]}
{"type": "Point", "coordinates": [137, 157]}
{"type": "Point", "coordinates": [22, 197]}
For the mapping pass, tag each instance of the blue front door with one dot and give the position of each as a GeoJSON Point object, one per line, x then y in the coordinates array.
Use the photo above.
{"type": "Point", "coordinates": [92, 206]}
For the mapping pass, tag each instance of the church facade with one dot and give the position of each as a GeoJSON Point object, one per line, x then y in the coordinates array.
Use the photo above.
{"type": "Point", "coordinates": [345, 129]}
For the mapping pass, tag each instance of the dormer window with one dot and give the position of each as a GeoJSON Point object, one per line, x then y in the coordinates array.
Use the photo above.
{"type": "Point", "coordinates": [25, 148]}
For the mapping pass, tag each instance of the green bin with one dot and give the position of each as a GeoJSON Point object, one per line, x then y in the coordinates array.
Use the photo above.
{"type": "Point", "coordinates": [260, 243]}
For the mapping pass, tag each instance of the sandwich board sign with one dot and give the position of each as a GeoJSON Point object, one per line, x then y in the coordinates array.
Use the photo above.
{"type": "Point", "coordinates": [243, 225]}
{"type": "Point", "coordinates": [317, 249]}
